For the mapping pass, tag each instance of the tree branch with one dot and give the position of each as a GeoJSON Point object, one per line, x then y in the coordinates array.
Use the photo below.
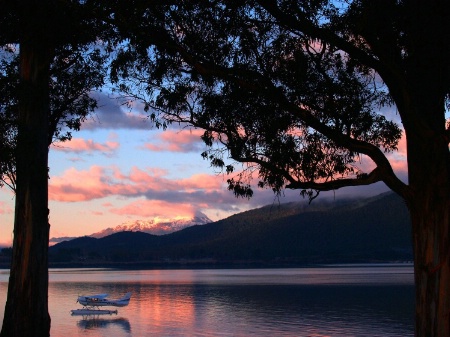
{"type": "Point", "coordinates": [381, 61]}
{"type": "Point", "coordinates": [256, 82]}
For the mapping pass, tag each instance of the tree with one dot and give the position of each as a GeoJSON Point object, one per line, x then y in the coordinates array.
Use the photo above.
{"type": "Point", "coordinates": [74, 73]}
{"type": "Point", "coordinates": [293, 91]}
{"type": "Point", "coordinates": [45, 93]}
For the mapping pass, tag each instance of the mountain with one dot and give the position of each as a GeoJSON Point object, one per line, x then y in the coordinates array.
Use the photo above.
{"type": "Point", "coordinates": [155, 226]}
{"type": "Point", "coordinates": [365, 230]}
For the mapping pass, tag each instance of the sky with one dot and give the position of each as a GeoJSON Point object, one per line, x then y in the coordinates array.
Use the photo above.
{"type": "Point", "coordinates": [120, 168]}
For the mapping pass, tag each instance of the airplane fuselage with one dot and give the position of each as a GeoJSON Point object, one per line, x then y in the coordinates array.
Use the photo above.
{"type": "Point", "coordinates": [100, 301]}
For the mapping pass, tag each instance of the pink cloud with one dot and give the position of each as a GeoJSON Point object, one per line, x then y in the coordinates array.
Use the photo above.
{"type": "Point", "coordinates": [77, 185]}
{"type": "Point", "coordinates": [164, 195]}
{"type": "Point", "coordinates": [79, 145]}
{"type": "Point", "coordinates": [202, 181]}
{"type": "Point", "coordinates": [186, 140]}
{"type": "Point", "coordinates": [151, 177]}
{"type": "Point", "coordinates": [155, 208]}
{"type": "Point", "coordinates": [398, 159]}
{"type": "Point", "coordinates": [99, 182]}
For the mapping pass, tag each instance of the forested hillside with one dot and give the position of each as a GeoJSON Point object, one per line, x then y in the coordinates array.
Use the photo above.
{"type": "Point", "coordinates": [369, 230]}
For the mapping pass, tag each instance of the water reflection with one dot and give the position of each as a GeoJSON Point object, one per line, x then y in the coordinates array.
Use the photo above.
{"type": "Point", "coordinates": [297, 302]}
{"type": "Point", "coordinates": [94, 322]}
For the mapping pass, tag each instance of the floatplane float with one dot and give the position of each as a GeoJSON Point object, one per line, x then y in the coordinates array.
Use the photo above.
{"type": "Point", "coordinates": [91, 304]}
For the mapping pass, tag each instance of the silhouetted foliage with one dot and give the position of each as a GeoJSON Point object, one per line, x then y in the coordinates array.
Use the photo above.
{"type": "Point", "coordinates": [75, 73]}
{"type": "Point", "coordinates": [292, 107]}
{"type": "Point", "coordinates": [294, 91]}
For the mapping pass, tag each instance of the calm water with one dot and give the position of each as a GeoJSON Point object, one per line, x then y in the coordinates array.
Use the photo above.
{"type": "Point", "coordinates": [328, 301]}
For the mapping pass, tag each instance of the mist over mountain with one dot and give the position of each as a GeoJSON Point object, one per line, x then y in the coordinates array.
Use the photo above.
{"type": "Point", "coordinates": [375, 229]}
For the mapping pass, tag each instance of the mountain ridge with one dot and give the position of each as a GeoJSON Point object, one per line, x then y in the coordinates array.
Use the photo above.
{"type": "Point", "coordinates": [367, 230]}
{"type": "Point", "coordinates": [154, 226]}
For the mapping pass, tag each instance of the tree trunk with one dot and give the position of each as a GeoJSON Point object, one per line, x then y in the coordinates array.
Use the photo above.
{"type": "Point", "coordinates": [423, 116]}
{"type": "Point", "coordinates": [26, 310]}
{"type": "Point", "coordinates": [429, 204]}
{"type": "Point", "coordinates": [431, 223]}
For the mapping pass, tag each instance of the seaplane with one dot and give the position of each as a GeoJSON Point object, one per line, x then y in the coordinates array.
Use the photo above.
{"type": "Point", "coordinates": [91, 304]}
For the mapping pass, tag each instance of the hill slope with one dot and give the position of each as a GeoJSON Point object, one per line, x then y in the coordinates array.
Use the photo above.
{"type": "Point", "coordinates": [375, 229]}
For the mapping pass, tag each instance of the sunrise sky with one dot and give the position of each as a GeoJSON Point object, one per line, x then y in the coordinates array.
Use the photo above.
{"type": "Point", "coordinates": [119, 168]}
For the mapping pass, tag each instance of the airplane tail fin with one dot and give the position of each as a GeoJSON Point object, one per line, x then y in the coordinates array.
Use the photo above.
{"type": "Point", "coordinates": [126, 297]}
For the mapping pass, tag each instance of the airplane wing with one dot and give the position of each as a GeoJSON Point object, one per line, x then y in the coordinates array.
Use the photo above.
{"type": "Point", "coordinates": [97, 297]}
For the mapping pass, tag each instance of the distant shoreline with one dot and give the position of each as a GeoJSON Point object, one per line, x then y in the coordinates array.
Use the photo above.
{"type": "Point", "coordinates": [214, 265]}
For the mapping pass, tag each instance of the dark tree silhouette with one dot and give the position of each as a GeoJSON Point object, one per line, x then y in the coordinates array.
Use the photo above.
{"type": "Point", "coordinates": [48, 66]}
{"type": "Point", "coordinates": [293, 91]}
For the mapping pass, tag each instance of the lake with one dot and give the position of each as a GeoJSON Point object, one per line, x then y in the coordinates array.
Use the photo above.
{"type": "Point", "coordinates": [350, 300]}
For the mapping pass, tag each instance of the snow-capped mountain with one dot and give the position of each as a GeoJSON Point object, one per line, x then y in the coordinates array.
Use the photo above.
{"type": "Point", "coordinates": [155, 226]}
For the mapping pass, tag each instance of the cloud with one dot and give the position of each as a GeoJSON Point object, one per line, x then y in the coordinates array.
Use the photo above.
{"type": "Point", "coordinates": [156, 208]}
{"type": "Point", "coordinates": [79, 145]}
{"type": "Point", "coordinates": [54, 240]}
{"type": "Point", "coordinates": [157, 194]}
{"type": "Point", "coordinates": [99, 182]}
{"type": "Point", "coordinates": [185, 140]}
{"type": "Point", "coordinates": [398, 159]}
{"type": "Point", "coordinates": [153, 192]}
{"type": "Point", "coordinates": [114, 113]}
